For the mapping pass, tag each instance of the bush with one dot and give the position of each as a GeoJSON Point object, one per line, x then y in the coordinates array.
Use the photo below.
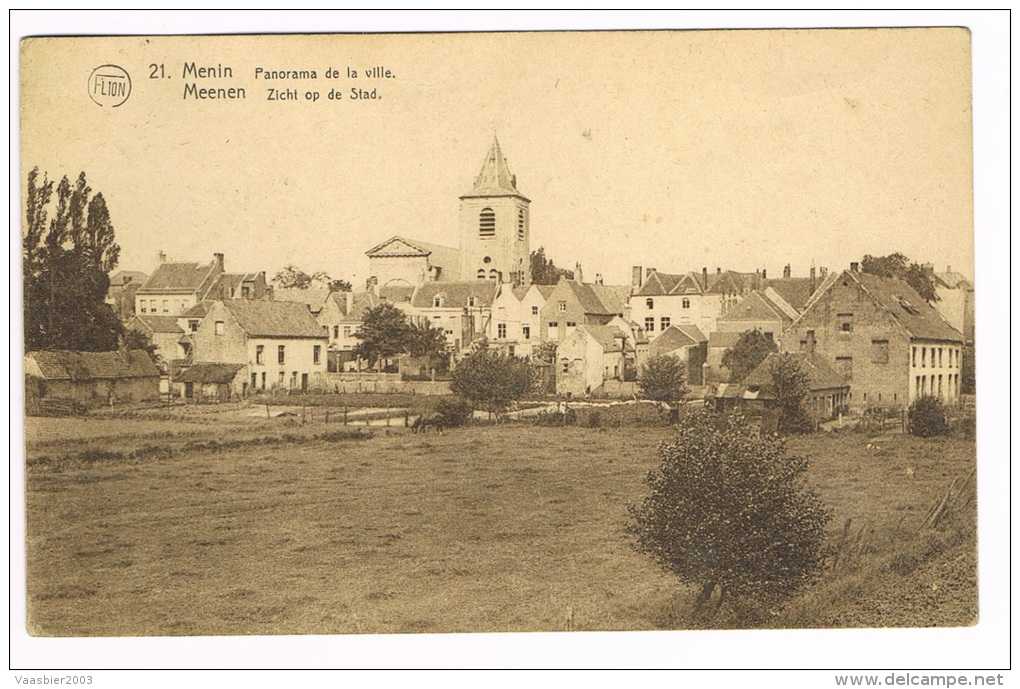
{"type": "Point", "coordinates": [729, 510]}
{"type": "Point", "coordinates": [927, 417]}
{"type": "Point", "coordinates": [454, 411]}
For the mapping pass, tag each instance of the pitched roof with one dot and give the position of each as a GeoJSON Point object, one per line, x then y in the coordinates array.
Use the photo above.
{"type": "Point", "coordinates": [610, 337]}
{"type": "Point", "coordinates": [723, 339]}
{"type": "Point", "coordinates": [199, 310]}
{"type": "Point", "coordinates": [720, 282]}
{"type": "Point", "coordinates": [670, 339]}
{"type": "Point", "coordinates": [953, 280]}
{"type": "Point", "coordinates": [495, 178]}
{"type": "Point", "coordinates": [820, 375]}
{"type": "Point", "coordinates": [658, 284]}
{"type": "Point", "coordinates": [157, 324]}
{"type": "Point", "coordinates": [312, 297]}
{"type": "Point", "coordinates": [396, 293]}
{"type": "Point", "coordinates": [693, 332]}
{"type": "Point", "coordinates": [360, 302]}
{"type": "Point", "coordinates": [124, 277]}
{"type": "Point", "coordinates": [919, 318]}
{"type": "Point", "coordinates": [274, 318]}
{"type": "Point", "coordinates": [795, 291]}
{"type": "Point", "coordinates": [180, 277]}
{"type": "Point", "coordinates": [455, 294]}
{"type": "Point", "coordinates": [70, 365]}
{"type": "Point", "coordinates": [209, 372]}
{"type": "Point", "coordinates": [757, 306]}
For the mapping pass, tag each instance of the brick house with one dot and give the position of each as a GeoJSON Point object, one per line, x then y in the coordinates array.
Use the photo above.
{"type": "Point", "coordinates": [891, 345]}
{"type": "Point", "coordinates": [573, 303]}
{"type": "Point", "coordinates": [279, 344]}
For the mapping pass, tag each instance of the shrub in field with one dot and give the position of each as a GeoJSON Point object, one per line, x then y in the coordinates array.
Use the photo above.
{"type": "Point", "coordinates": [728, 510]}
{"type": "Point", "coordinates": [663, 378]}
{"type": "Point", "coordinates": [454, 411]}
{"type": "Point", "coordinates": [927, 417]}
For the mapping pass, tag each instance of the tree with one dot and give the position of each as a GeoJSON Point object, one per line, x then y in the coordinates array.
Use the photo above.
{"type": "Point", "coordinates": [544, 271]}
{"type": "Point", "coordinates": [493, 380]}
{"type": "Point", "coordinates": [663, 378]}
{"type": "Point", "coordinates": [65, 264]}
{"type": "Point", "coordinates": [898, 266]}
{"type": "Point", "coordinates": [292, 277]}
{"type": "Point", "coordinates": [729, 510]}
{"type": "Point", "coordinates": [383, 334]}
{"type": "Point", "coordinates": [426, 340]}
{"type": "Point", "coordinates": [790, 386]}
{"type": "Point", "coordinates": [927, 417]}
{"type": "Point", "coordinates": [139, 339]}
{"type": "Point", "coordinates": [747, 354]}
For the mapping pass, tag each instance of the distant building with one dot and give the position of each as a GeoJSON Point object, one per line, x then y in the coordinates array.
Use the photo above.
{"type": "Point", "coordinates": [165, 332]}
{"type": "Point", "coordinates": [659, 300]}
{"type": "Point", "coordinates": [573, 303]}
{"type": "Point", "coordinates": [891, 345]}
{"type": "Point", "coordinates": [688, 344]}
{"type": "Point", "coordinates": [463, 310]}
{"type": "Point", "coordinates": [828, 391]}
{"type": "Point", "coordinates": [173, 288]}
{"type": "Point", "coordinates": [121, 293]}
{"type": "Point", "coordinates": [278, 344]}
{"type": "Point", "coordinates": [590, 355]}
{"type": "Point", "coordinates": [402, 262]}
{"type": "Point", "coordinates": [91, 378]}
{"type": "Point", "coordinates": [956, 301]}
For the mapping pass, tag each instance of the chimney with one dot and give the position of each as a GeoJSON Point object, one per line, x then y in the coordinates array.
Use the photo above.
{"type": "Point", "coordinates": [823, 272]}
{"type": "Point", "coordinates": [349, 295]}
{"type": "Point", "coordinates": [949, 269]}
{"type": "Point", "coordinates": [704, 278]}
{"type": "Point", "coordinates": [854, 266]}
{"type": "Point", "coordinates": [764, 274]}
{"type": "Point", "coordinates": [161, 257]}
{"type": "Point", "coordinates": [718, 270]}
{"type": "Point", "coordinates": [637, 278]}
{"type": "Point", "coordinates": [812, 279]}
{"type": "Point", "coordinates": [786, 271]}
{"type": "Point", "coordinates": [598, 278]}
{"type": "Point", "coordinates": [578, 275]}
{"type": "Point", "coordinates": [219, 260]}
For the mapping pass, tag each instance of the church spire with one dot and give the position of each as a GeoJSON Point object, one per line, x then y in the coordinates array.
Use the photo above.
{"type": "Point", "coordinates": [495, 179]}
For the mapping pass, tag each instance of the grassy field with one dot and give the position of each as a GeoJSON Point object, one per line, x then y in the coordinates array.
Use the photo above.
{"type": "Point", "coordinates": [482, 529]}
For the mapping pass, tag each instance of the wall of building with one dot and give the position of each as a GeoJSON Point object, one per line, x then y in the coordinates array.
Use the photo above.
{"type": "Point", "coordinates": [507, 252]}
{"type": "Point", "coordinates": [879, 373]}
{"type": "Point", "coordinates": [397, 270]}
{"type": "Point", "coordinates": [299, 355]}
{"type": "Point", "coordinates": [935, 369]}
{"type": "Point", "coordinates": [703, 310]}
{"type": "Point", "coordinates": [163, 305]}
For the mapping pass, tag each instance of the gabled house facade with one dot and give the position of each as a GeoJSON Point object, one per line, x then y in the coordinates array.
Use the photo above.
{"type": "Point", "coordinates": [165, 332]}
{"type": "Point", "coordinates": [659, 300]}
{"type": "Point", "coordinates": [278, 344]}
{"type": "Point", "coordinates": [572, 303]}
{"type": "Point", "coordinates": [463, 310]}
{"type": "Point", "coordinates": [173, 288]}
{"type": "Point", "coordinates": [588, 356]}
{"type": "Point", "coordinates": [121, 293]}
{"type": "Point", "coordinates": [891, 345]}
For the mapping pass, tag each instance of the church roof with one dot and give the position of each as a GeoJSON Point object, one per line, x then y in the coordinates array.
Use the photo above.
{"type": "Point", "coordinates": [495, 179]}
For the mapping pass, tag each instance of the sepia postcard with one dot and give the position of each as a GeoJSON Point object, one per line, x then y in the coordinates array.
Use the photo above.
{"type": "Point", "coordinates": [450, 333]}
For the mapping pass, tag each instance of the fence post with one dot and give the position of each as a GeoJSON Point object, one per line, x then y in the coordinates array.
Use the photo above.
{"type": "Point", "coordinates": [345, 415]}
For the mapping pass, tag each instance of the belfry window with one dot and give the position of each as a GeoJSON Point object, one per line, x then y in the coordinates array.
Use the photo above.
{"type": "Point", "coordinates": [520, 224]}
{"type": "Point", "coordinates": [487, 223]}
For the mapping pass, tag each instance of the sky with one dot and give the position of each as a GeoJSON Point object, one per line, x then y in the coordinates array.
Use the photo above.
{"type": "Point", "coordinates": [675, 150]}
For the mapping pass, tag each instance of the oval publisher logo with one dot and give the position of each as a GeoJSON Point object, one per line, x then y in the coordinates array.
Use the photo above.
{"type": "Point", "coordinates": [109, 86]}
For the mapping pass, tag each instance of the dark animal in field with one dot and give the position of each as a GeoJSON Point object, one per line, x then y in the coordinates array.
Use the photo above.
{"type": "Point", "coordinates": [422, 423]}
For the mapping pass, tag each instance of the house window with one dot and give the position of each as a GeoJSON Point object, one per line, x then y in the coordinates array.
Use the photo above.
{"type": "Point", "coordinates": [437, 302]}
{"type": "Point", "coordinates": [347, 331]}
{"type": "Point", "coordinates": [193, 326]}
{"type": "Point", "coordinates": [166, 306]}
{"type": "Point", "coordinates": [534, 310]}
{"type": "Point", "coordinates": [316, 354]}
{"type": "Point", "coordinates": [281, 355]}
{"type": "Point", "coordinates": [845, 365]}
{"type": "Point", "coordinates": [293, 379]}
{"type": "Point", "coordinates": [561, 307]}
{"type": "Point", "coordinates": [260, 351]}
{"type": "Point", "coordinates": [554, 330]}
{"type": "Point", "coordinates": [246, 292]}
{"type": "Point", "coordinates": [501, 331]}
{"type": "Point", "coordinates": [282, 375]}
{"type": "Point", "coordinates": [940, 360]}
{"type": "Point", "coordinates": [846, 326]}
{"type": "Point", "coordinates": [520, 224]}
{"type": "Point", "coordinates": [184, 307]}
{"type": "Point", "coordinates": [880, 351]}
{"type": "Point", "coordinates": [142, 304]}
{"type": "Point", "coordinates": [336, 332]}
{"type": "Point", "coordinates": [219, 327]}
{"type": "Point", "coordinates": [914, 357]}
{"type": "Point", "coordinates": [493, 274]}
{"type": "Point", "coordinates": [665, 322]}
{"type": "Point", "coordinates": [263, 380]}
{"type": "Point", "coordinates": [526, 330]}
{"type": "Point", "coordinates": [924, 357]}
{"type": "Point", "coordinates": [686, 303]}
{"type": "Point", "coordinates": [650, 303]}
{"type": "Point", "coordinates": [487, 223]}
{"type": "Point", "coordinates": [481, 273]}
{"type": "Point", "coordinates": [566, 366]}
{"type": "Point", "coordinates": [650, 324]}
{"type": "Point", "coordinates": [471, 301]}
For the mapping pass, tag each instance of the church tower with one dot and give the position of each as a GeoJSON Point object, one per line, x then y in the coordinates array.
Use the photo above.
{"type": "Point", "coordinates": [495, 236]}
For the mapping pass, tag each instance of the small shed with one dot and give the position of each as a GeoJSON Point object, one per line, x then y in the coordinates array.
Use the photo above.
{"type": "Point", "coordinates": [828, 391]}
{"type": "Point", "coordinates": [92, 379]}
{"type": "Point", "coordinates": [208, 381]}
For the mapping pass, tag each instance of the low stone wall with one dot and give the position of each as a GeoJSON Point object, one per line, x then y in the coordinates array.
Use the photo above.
{"type": "Point", "coordinates": [384, 383]}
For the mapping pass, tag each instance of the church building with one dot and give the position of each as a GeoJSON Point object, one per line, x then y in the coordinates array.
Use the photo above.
{"type": "Point", "coordinates": [494, 238]}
